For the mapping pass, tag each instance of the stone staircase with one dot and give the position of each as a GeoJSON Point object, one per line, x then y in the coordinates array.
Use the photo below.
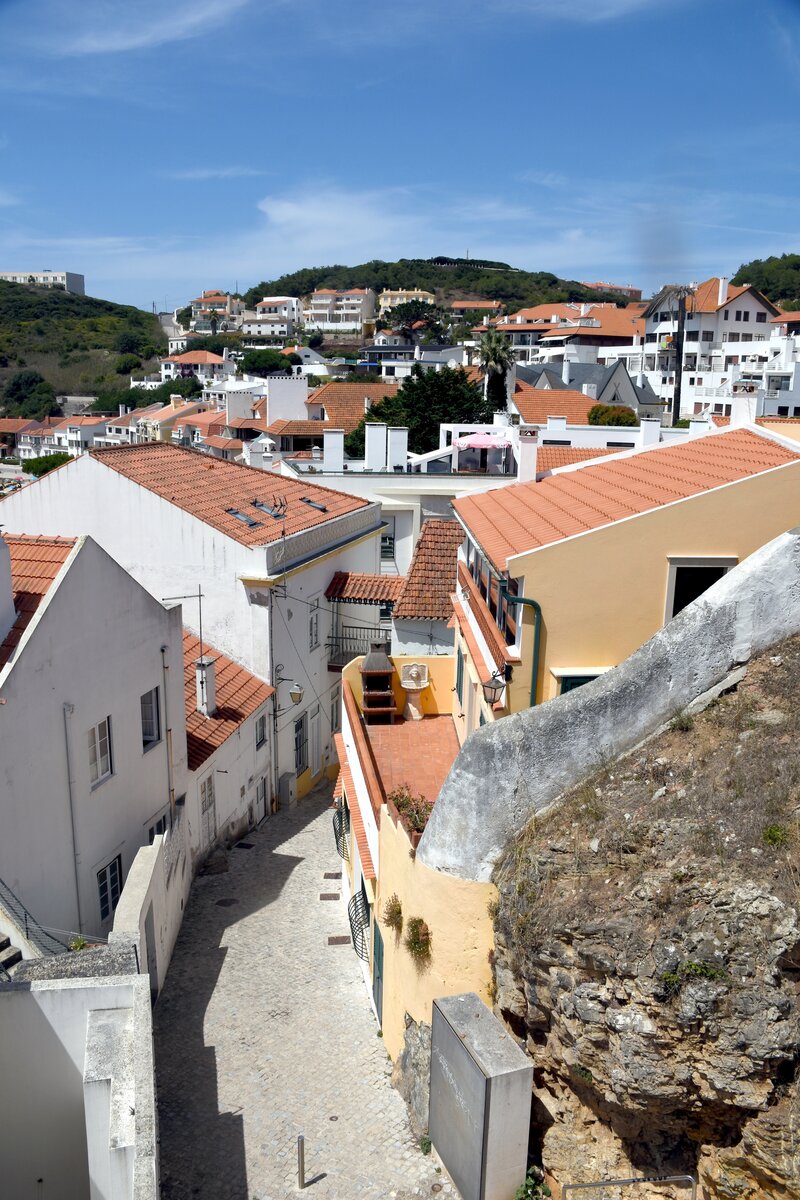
{"type": "Point", "coordinates": [9, 955]}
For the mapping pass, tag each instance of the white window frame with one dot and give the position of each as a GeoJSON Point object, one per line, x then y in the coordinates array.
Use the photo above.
{"type": "Point", "coordinates": [676, 561]}
{"type": "Point", "coordinates": [336, 710]}
{"type": "Point", "coordinates": [97, 735]}
{"type": "Point", "coordinates": [261, 730]}
{"type": "Point", "coordinates": [313, 624]}
{"type": "Point", "coordinates": [154, 737]}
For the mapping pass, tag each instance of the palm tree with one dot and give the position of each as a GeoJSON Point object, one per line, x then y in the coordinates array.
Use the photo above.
{"type": "Point", "coordinates": [497, 359]}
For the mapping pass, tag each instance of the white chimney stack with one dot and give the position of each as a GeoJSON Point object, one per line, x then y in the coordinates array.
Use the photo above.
{"type": "Point", "coordinates": [8, 613]}
{"type": "Point", "coordinates": [722, 295]}
{"type": "Point", "coordinates": [397, 452]}
{"type": "Point", "coordinates": [333, 450]}
{"type": "Point", "coordinates": [205, 677]}
{"type": "Point", "coordinates": [649, 431]}
{"type": "Point", "coordinates": [526, 461]}
{"type": "Point", "coordinates": [699, 426]}
{"type": "Point", "coordinates": [374, 446]}
{"type": "Point", "coordinates": [590, 390]}
{"type": "Point", "coordinates": [565, 370]}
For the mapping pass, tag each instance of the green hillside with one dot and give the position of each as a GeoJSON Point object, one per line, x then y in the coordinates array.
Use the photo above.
{"type": "Point", "coordinates": [447, 278]}
{"type": "Point", "coordinates": [778, 278]}
{"type": "Point", "coordinates": [76, 344]}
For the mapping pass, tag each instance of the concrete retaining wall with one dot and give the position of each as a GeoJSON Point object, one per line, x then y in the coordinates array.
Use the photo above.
{"type": "Point", "coordinates": [510, 770]}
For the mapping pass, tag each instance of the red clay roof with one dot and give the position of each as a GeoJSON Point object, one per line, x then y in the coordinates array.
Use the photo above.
{"type": "Point", "coordinates": [476, 305]}
{"type": "Point", "coordinates": [15, 424]}
{"type": "Point", "coordinates": [432, 573]}
{"type": "Point", "coordinates": [35, 562]}
{"type": "Point", "coordinates": [206, 487]}
{"type": "Point", "coordinates": [525, 516]}
{"type": "Point", "coordinates": [783, 317]}
{"type": "Point", "coordinates": [196, 357]}
{"type": "Point", "coordinates": [537, 404]}
{"type": "Point", "coordinates": [217, 442]}
{"type": "Point", "coordinates": [550, 458]}
{"type": "Point", "coordinates": [344, 402]}
{"type": "Point", "coordinates": [204, 419]}
{"type": "Point", "coordinates": [363, 588]}
{"type": "Point", "coordinates": [239, 694]}
{"type": "Point", "coordinates": [345, 784]}
{"type": "Point", "coordinates": [418, 754]}
{"type": "Point", "coordinates": [308, 428]}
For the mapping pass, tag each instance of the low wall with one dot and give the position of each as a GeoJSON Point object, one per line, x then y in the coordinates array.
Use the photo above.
{"type": "Point", "coordinates": [150, 908]}
{"type": "Point", "coordinates": [509, 770]}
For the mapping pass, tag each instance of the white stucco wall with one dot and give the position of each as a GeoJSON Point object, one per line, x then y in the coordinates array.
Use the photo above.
{"type": "Point", "coordinates": [96, 649]}
{"type": "Point", "coordinates": [422, 637]}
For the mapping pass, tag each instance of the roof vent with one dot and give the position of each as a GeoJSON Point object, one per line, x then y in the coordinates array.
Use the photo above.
{"type": "Point", "coordinates": [313, 504]}
{"type": "Point", "coordinates": [243, 517]}
{"type": "Point", "coordinates": [276, 510]}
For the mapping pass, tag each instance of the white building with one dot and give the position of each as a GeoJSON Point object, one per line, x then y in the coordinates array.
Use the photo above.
{"type": "Point", "coordinates": [263, 550]}
{"type": "Point", "coordinates": [69, 281]}
{"type": "Point", "coordinates": [205, 366]}
{"type": "Point", "coordinates": [275, 317]}
{"type": "Point", "coordinates": [339, 312]}
{"type": "Point", "coordinates": [91, 724]}
{"type": "Point", "coordinates": [71, 435]}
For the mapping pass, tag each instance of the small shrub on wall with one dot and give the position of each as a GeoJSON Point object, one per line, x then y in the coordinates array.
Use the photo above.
{"type": "Point", "coordinates": [393, 913]}
{"type": "Point", "coordinates": [418, 939]}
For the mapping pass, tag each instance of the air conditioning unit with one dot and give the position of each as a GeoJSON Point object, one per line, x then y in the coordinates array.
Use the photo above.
{"type": "Point", "coordinates": [287, 789]}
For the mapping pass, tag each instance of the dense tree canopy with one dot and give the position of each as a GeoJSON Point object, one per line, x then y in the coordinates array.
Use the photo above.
{"type": "Point", "coordinates": [28, 394]}
{"type": "Point", "coordinates": [612, 414]}
{"type": "Point", "coordinates": [48, 462]}
{"type": "Point", "coordinates": [514, 288]}
{"type": "Point", "coordinates": [777, 277]}
{"type": "Point", "coordinates": [425, 400]}
{"type": "Point", "coordinates": [266, 362]}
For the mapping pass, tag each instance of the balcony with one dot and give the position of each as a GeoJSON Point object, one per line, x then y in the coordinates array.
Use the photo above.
{"type": "Point", "coordinates": [352, 641]}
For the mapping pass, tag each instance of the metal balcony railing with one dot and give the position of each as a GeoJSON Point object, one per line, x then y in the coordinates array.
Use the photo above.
{"type": "Point", "coordinates": [341, 828]}
{"type": "Point", "coordinates": [358, 913]}
{"type": "Point", "coordinates": [28, 926]}
{"type": "Point", "coordinates": [354, 640]}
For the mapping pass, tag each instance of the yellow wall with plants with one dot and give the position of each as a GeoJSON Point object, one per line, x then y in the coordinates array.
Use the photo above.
{"type": "Point", "coordinates": [604, 594]}
{"type": "Point", "coordinates": [457, 913]}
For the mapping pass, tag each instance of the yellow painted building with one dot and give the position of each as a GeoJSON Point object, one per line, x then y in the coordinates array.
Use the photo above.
{"type": "Point", "coordinates": [391, 297]}
{"type": "Point", "coordinates": [600, 557]}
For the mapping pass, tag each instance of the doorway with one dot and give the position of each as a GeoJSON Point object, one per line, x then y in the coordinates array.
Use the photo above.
{"type": "Point", "coordinates": [377, 971]}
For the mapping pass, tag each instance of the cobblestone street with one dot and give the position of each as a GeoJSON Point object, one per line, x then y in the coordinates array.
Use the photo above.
{"type": "Point", "coordinates": [264, 1031]}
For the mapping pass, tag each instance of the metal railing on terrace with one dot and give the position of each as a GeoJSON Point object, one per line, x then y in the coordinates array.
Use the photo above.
{"type": "Point", "coordinates": [29, 927]}
{"type": "Point", "coordinates": [354, 640]}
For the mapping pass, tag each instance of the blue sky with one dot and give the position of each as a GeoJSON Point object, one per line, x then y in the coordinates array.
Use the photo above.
{"type": "Point", "coordinates": [161, 147]}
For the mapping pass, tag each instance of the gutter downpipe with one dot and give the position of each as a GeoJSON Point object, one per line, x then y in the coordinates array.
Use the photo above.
{"type": "Point", "coordinates": [168, 736]}
{"type": "Point", "coordinates": [68, 710]}
{"type": "Point", "coordinates": [537, 633]}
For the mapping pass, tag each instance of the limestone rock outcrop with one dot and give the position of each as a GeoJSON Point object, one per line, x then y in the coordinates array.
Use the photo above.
{"type": "Point", "coordinates": [648, 953]}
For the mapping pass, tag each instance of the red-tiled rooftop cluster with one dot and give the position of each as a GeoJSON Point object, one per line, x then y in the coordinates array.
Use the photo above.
{"type": "Point", "coordinates": [365, 589]}
{"type": "Point", "coordinates": [432, 573]}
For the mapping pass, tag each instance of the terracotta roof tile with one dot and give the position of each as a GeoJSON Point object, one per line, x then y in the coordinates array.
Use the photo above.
{"type": "Point", "coordinates": [15, 424]}
{"type": "Point", "coordinates": [783, 317]}
{"type": "Point", "coordinates": [344, 402]}
{"type": "Point", "coordinates": [299, 428]}
{"type": "Point", "coordinates": [196, 358]}
{"type": "Point", "coordinates": [345, 784]}
{"type": "Point", "coordinates": [363, 588]}
{"type": "Point", "coordinates": [239, 695]}
{"type": "Point", "coordinates": [550, 458]}
{"type": "Point", "coordinates": [35, 562]}
{"type": "Point", "coordinates": [537, 404]}
{"type": "Point", "coordinates": [223, 443]}
{"type": "Point", "coordinates": [431, 575]}
{"type": "Point", "coordinates": [418, 754]}
{"type": "Point", "coordinates": [206, 487]}
{"type": "Point", "coordinates": [526, 516]}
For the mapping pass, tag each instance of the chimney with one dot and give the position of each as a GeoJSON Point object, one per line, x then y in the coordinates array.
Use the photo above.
{"type": "Point", "coordinates": [743, 408]}
{"type": "Point", "coordinates": [565, 370]}
{"type": "Point", "coordinates": [333, 450]}
{"type": "Point", "coordinates": [397, 454]}
{"type": "Point", "coordinates": [8, 613]}
{"type": "Point", "coordinates": [175, 400]}
{"type": "Point", "coordinates": [205, 678]}
{"type": "Point", "coordinates": [649, 431]}
{"type": "Point", "coordinates": [722, 294]}
{"type": "Point", "coordinates": [367, 404]}
{"type": "Point", "coordinates": [374, 446]}
{"type": "Point", "coordinates": [699, 426]}
{"type": "Point", "coordinates": [557, 425]}
{"type": "Point", "coordinates": [526, 459]}
{"type": "Point", "coordinates": [590, 390]}
{"type": "Point", "coordinates": [123, 410]}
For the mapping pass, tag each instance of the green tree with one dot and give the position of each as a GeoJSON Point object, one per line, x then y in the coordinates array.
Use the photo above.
{"type": "Point", "coordinates": [497, 359]}
{"type": "Point", "coordinates": [184, 316]}
{"type": "Point", "coordinates": [28, 394]}
{"type": "Point", "coordinates": [267, 362]}
{"type": "Point", "coordinates": [48, 462]}
{"type": "Point", "coordinates": [127, 363]}
{"type": "Point", "coordinates": [425, 400]}
{"type": "Point", "coordinates": [777, 277]}
{"type": "Point", "coordinates": [612, 414]}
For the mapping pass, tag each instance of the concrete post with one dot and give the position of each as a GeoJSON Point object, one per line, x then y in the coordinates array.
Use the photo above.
{"type": "Point", "coordinates": [398, 448]}
{"type": "Point", "coordinates": [649, 431]}
{"type": "Point", "coordinates": [526, 460]}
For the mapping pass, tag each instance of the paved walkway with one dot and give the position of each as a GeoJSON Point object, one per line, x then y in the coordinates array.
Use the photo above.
{"type": "Point", "coordinates": [264, 1031]}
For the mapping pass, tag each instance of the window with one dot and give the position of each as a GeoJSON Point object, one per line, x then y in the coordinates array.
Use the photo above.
{"type": "Point", "coordinates": [738, 314]}
{"type": "Point", "coordinates": [99, 739]}
{"type": "Point", "coordinates": [336, 715]}
{"type": "Point", "coordinates": [261, 730]}
{"type": "Point", "coordinates": [301, 744]}
{"type": "Point", "coordinates": [151, 722]}
{"type": "Point", "coordinates": [109, 886]}
{"type": "Point", "coordinates": [570, 682]}
{"type": "Point", "coordinates": [313, 624]}
{"type": "Point", "coordinates": [689, 577]}
{"type": "Point", "coordinates": [160, 826]}
{"type": "Point", "coordinates": [727, 314]}
{"type": "Point", "coordinates": [692, 335]}
{"type": "Point", "coordinates": [460, 675]}
{"type": "Point", "coordinates": [761, 318]}
{"type": "Point", "coordinates": [261, 795]}
{"type": "Point", "coordinates": [385, 611]}
{"type": "Point", "coordinates": [745, 315]}
{"type": "Point", "coordinates": [707, 335]}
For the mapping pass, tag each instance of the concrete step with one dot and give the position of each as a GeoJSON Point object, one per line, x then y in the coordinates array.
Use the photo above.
{"type": "Point", "coordinates": [10, 957]}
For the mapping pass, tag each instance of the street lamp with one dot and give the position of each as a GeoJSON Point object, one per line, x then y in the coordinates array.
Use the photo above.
{"type": "Point", "coordinates": [296, 691]}
{"type": "Point", "coordinates": [492, 688]}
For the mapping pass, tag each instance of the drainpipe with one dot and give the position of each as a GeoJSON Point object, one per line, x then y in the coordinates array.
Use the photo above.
{"type": "Point", "coordinates": [537, 633]}
{"type": "Point", "coordinates": [69, 709]}
{"type": "Point", "coordinates": [168, 735]}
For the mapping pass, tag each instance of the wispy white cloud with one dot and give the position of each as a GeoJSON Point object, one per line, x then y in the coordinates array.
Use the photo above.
{"type": "Point", "coordinates": [200, 174]}
{"type": "Point", "coordinates": [110, 27]}
{"type": "Point", "coordinates": [544, 179]}
{"type": "Point", "coordinates": [590, 11]}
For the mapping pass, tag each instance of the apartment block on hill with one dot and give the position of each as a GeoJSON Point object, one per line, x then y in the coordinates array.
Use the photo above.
{"type": "Point", "coordinates": [334, 311]}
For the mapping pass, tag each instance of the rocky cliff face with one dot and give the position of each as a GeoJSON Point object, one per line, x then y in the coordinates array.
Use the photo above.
{"type": "Point", "coordinates": [648, 953]}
